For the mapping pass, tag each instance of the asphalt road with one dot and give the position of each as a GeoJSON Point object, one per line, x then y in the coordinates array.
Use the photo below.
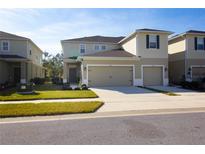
{"type": "Point", "coordinates": [186, 128]}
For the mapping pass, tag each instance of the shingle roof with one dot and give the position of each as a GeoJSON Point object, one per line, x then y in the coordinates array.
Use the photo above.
{"type": "Point", "coordinates": [98, 39]}
{"type": "Point", "coordinates": [195, 31]}
{"type": "Point", "coordinates": [154, 30]}
{"type": "Point", "coordinates": [187, 32]}
{"type": "Point", "coordinates": [4, 35]}
{"type": "Point", "coordinates": [12, 56]}
{"type": "Point", "coordinates": [111, 53]}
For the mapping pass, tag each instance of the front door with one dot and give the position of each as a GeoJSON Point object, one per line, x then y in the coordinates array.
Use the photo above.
{"type": "Point", "coordinates": [17, 74]}
{"type": "Point", "coordinates": [73, 75]}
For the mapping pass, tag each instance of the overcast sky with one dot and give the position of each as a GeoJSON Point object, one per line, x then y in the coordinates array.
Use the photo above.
{"type": "Point", "coordinates": [46, 27]}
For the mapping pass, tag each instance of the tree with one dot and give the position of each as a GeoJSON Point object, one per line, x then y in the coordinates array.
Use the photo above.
{"type": "Point", "coordinates": [53, 64]}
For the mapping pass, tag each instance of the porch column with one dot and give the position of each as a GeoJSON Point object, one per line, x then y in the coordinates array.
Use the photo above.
{"type": "Point", "coordinates": [23, 72]}
{"type": "Point", "coordinates": [65, 72]}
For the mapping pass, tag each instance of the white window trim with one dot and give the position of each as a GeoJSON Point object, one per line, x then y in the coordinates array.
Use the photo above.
{"type": "Point", "coordinates": [80, 48]}
{"type": "Point", "coordinates": [2, 49]}
{"type": "Point", "coordinates": [133, 69]}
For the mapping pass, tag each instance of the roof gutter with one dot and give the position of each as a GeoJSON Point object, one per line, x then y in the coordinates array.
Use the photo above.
{"type": "Point", "coordinates": [81, 58]}
{"type": "Point", "coordinates": [143, 31]}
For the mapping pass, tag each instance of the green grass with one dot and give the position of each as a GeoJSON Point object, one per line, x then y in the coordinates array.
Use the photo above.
{"type": "Point", "coordinates": [39, 109]}
{"type": "Point", "coordinates": [46, 92]}
{"type": "Point", "coordinates": [160, 91]}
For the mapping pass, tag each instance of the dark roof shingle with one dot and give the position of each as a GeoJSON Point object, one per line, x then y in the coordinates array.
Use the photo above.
{"type": "Point", "coordinates": [154, 30]}
{"type": "Point", "coordinates": [98, 39]}
{"type": "Point", "coordinates": [195, 31]}
{"type": "Point", "coordinates": [111, 53]}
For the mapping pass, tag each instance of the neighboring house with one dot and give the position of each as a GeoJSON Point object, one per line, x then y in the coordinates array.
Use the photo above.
{"type": "Point", "coordinates": [138, 59]}
{"type": "Point", "coordinates": [20, 59]}
{"type": "Point", "coordinates": [187, 56]}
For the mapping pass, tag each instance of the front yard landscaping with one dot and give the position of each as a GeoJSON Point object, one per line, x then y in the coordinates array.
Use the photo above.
{"type": "Point", "coordinates": [160, 91]}
{"type": "Point", "coordinates": [47, 91]}
{"type": "Point", "coordinates": [39, 109]}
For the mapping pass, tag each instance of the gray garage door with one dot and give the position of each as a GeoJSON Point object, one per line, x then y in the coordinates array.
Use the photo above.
{"type": "Point", "coordinates": [198, 72]}
{"type": "Point", "coordinates": [110, 76]}
{"type": "Point", "coordinates": [152, 76]}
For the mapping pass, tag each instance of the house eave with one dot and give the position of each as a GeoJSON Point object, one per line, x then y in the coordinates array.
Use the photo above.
{"type": "Point", "coordinates": [107, 58]}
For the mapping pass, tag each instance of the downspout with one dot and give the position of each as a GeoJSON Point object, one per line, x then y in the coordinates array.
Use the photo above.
{"type": "Point", "coordinates": [185, 58]}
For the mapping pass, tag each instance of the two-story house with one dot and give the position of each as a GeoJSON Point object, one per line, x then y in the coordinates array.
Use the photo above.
{"type": "Point", "coordinates": [187, 56]}
{"type": "Point", "coordinates": [138, 59]}
{"type": "Point", "coordinates": [20, 59]}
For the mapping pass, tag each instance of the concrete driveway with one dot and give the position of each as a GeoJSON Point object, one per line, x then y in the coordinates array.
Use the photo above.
{"type": "Point", "coordinates": [177, 90]}
{"type": "Point", "coordinates": [134, 99]}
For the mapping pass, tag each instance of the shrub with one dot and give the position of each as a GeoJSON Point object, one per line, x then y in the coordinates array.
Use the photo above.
{"type": "Point", "coordinates": [191, 85]}
{"type": "Point", "coordinates": [84, 87]}
{"type": "Point", "coordinates": [77, 88]}
{"type": "Point", "coordinates": [24, 88]}
{"type": "Point", "coordinates": [38, 81]}
{"type": "Point", "coordinates": [67, 86]}
{"type": "Point", "coordinates": [57, 80]}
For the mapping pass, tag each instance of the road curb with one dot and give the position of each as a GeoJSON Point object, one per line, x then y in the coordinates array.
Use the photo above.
{"type": "Point", "coordinates": [100, 115]}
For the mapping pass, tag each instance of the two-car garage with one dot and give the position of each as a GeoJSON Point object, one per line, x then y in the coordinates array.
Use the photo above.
{"type": "Point", "coordinates": [123, 75]}
{"type": "Point", "coordinates": [110, 75]}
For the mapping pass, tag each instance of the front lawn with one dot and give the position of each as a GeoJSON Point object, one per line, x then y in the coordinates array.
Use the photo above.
{"type": "Point", "coordinates": [46, 92]}
{"type": "Point", "coordinates": [35, 109]}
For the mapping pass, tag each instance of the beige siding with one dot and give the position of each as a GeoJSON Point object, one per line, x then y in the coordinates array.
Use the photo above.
{"type": "Point", "coordinates": [16, 47]}
{"type": "Point", "coordinates": [177, 45]}
{"type": "Point", "coordinates": [152, 53]}
{"type": "Point", "coordinates": [192, 53]}
{"type": "Point", "coordinates": [130, 46]}
{"type": "Point", "coordinates": [149, 61]}
{"type": "Point", "coordinates": [71, 49]}
{"type": "Point", "coordinates": [36, 54]}
{"type": "Point", "coordinates": [176, 71]}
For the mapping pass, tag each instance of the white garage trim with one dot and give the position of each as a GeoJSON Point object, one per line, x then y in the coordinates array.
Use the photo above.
{"type": "Point", "coordinates": [192, 66]}
{"type": "Point", "coordinates": [133, 69]}
{"type": "Point", "coordinates": [165, 81]}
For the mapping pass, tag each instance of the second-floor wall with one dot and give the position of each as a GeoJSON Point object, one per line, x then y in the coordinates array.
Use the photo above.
{"type": "Point", "coordinates": [13, 47]}
{"type": "Point", "coordinates": [193, 46]}
{"type": "Point", "coordinates": [147, 45]}
{"type": "Point", "coordinates": [194, 52]}
{"type": "Point", "coordinates": [23, 48]}
{"type": "Point", "coordinates": [73, 49]}
{"type": "Point", "coordinates": [34, 53]}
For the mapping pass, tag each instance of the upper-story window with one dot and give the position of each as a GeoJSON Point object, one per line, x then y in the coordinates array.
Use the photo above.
{"type": "Point", "coordinates": [199, 43]}
{"type": "Point", "coordinates": [5, 45]}
{"type": "Point", "coordinates": [82, 48]}
{"type": "Point", "coordinates": [152, 41]}
{"type": "Point", "coordinates": [97, 47]}
{"type": "Point", "coordinates": [30, 52]}
{"type": "Point", "coordinates": [103, 47]}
